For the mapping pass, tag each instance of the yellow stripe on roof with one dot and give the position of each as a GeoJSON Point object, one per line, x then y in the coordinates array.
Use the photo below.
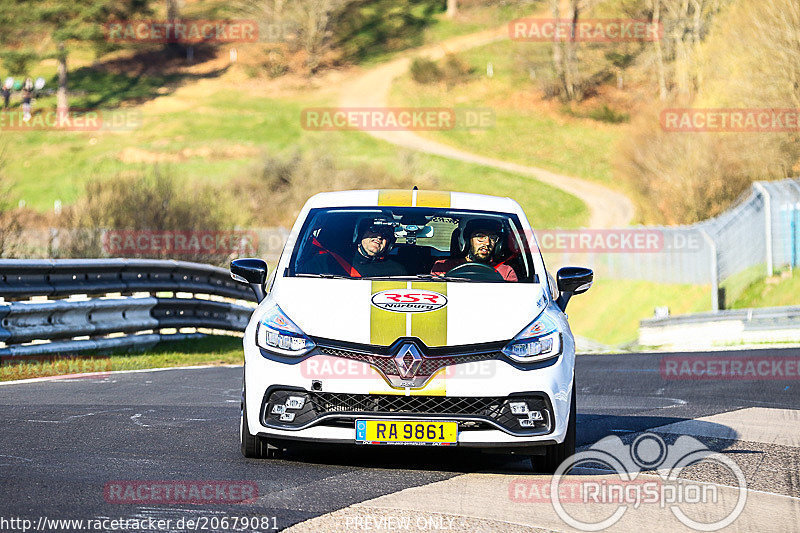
{"type": "Point", "coordinates": [433, 199]}
{"type": "Point", "coordinates": [394, 198]}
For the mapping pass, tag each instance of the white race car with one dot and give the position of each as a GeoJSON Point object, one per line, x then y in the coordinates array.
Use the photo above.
{"type": "Point", "coordinates": [410, 317]}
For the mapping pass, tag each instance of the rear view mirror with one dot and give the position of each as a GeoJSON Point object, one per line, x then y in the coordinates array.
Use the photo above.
{"type": "Point", "coordinates": [253, 272]}
{"type": "Point", "coordinates": [571, 281]}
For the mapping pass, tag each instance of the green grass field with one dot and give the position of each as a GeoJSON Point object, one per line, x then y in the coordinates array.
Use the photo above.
{"type": "Point", "coordinates": [526, 131]}
{"type": "Point", "coordinates": [211, 350]}
{"type": "Point", "coordinates": [779, 290]}
{"type": "Point", "coordinates": [236, 127]}
{"type": "Point", "coordinates": [611, 310]}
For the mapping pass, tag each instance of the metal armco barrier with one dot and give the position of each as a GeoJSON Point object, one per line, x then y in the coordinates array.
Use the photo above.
{"type": "Point", "coordinates": [131, 321]}
{"type": "Point", "coordinates": [736, 326]}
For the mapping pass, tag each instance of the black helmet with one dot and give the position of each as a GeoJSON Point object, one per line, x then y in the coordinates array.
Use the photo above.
{"type": "Point", "coordinates": [486, 224]}
{"type": "Point", "coordinates": [380, 226]}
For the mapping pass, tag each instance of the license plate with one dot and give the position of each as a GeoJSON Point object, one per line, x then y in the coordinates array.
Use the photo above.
{"type": "Point", "coordinates": [406, 432]}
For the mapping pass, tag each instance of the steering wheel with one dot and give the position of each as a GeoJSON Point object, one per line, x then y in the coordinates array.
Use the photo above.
{"type": "Point", "coordinates": [476, 271]}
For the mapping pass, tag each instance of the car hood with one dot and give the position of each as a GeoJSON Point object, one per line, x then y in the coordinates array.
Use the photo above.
{"type": "Point", "coordinates": [379, 312]}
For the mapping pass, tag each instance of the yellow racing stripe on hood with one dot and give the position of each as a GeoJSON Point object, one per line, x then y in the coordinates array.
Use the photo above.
{"type": "Point", "coordinates": [431, 327]}
{"type": "Point", "coordinates": [385, 327]}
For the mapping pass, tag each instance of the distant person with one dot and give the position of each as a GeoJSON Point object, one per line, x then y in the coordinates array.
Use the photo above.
{"type": "Point", "coordinates": [6, 92]}
{"type": "Point", "coordinates": [27, 95]}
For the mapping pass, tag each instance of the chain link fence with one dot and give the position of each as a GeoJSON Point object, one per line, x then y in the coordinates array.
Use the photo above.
{"type": "Point", "coordinates": [758, 236]}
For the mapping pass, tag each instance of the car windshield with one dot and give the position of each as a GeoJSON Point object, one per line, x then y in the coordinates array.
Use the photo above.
{"type": "Point", "coordinates": [413, 243]}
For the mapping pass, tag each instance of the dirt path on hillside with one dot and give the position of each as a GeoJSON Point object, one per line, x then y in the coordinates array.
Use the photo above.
{"type": "Point", "coordinates": [607, 208]}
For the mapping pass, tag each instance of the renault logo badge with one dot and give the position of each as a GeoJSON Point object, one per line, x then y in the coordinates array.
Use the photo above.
{"type": "Point", "coordinates": [408, 360]}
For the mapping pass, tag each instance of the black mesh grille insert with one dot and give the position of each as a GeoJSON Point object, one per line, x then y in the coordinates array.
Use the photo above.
{"type": "Point", "coordinates": [392, 404]}
{"type": "Point", "coordinates": [331, 408]}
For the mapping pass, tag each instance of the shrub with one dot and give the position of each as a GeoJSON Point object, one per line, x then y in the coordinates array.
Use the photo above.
{"type": "Point", "coordinates": [455, 70]}
{"type": "Point", "coordinates": [11, 239]}
{"type": "Point", "coordinates": [147, 199]}
{"type": "Point", "coordinates": [276, 188]}
{"type": "Point", "coordinates": [425, 71]}
{"type": "Point", "coordinates": [606, 114]}
{"type": "Point", "coordinates": [17, 61]}
{"type": "Point", "coordinates": [685, 177]}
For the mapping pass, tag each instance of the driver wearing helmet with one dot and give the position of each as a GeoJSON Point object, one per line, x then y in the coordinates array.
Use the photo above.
{"type": "Point", "coordinates": [374, 239]}
{"type": "Point", "coordinates": [480, 241]}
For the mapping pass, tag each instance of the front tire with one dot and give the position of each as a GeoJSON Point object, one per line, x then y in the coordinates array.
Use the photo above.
{"type": "Point", "coordinates": [558, 453]}
{"type": "Point", "coordinates": [253, 446]}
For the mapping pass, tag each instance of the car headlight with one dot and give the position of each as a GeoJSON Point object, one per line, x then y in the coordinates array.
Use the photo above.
{"type": "Point", "coordinates": [538, 341]}
{"type": "Point", "coordinates": [276, 333]}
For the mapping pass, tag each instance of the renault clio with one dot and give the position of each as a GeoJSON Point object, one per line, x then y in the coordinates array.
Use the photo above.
{"type": "Point", "coordinates": [415, 317]}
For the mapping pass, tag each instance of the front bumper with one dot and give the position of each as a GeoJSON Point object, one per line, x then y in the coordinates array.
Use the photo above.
{"type": "Point", "coordinates": [478, 395]}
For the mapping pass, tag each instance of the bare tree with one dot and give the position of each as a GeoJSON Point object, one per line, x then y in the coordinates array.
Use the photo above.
{"type": "Point", "coordinates": [11, 240]}
{"type": "Point", "coordinates": [659, 53]}
{"type": "Point", "coordinates": [452, 8]}
{"type": "Point", "coordinates": [310, 21]}
{"type": "Point", "coordinates": [571, 80]}
{"type": "Point", "coordinates": [558, 48]}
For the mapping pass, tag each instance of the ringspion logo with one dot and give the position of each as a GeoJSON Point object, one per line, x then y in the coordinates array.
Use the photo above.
{"type": "Point", "coordinates": [599, 501]}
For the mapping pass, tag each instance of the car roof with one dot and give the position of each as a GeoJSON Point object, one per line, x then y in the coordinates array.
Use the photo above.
{"type": "Point", "coordinates": [408, 198]}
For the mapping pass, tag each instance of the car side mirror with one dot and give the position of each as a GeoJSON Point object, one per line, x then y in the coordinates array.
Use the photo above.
{"type": "Point", "coordinates": [571, 281]}
{"type": "Point", "coordinates": [253, 272]}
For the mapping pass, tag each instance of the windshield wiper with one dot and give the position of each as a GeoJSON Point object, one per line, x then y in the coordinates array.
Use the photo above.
{"type": "Point", "coordinates": [326, 276]}
{"type": "Point", "coordinates": [424, 277]}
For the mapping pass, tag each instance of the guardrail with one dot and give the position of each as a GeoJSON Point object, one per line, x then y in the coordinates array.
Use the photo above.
{"type": "Point", "coordinates": [128, 309]}
{"type": "Point", "coordinates": [734, 326]}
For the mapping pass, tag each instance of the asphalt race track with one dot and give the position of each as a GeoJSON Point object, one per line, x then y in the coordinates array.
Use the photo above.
{"type": "Point", "coordinates": [64, 441]}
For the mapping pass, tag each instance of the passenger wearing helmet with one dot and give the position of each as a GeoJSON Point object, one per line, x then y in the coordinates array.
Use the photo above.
{"type": "Point", "coordinates": [373, 242]}
{"type": "Point", "coordinates": [480, 241]}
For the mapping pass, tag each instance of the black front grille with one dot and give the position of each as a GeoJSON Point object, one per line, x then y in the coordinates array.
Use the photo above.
{"type": "Point", "coordinates": [337, 409]}
{"type": "Point", "coordinates": [328, 402]}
